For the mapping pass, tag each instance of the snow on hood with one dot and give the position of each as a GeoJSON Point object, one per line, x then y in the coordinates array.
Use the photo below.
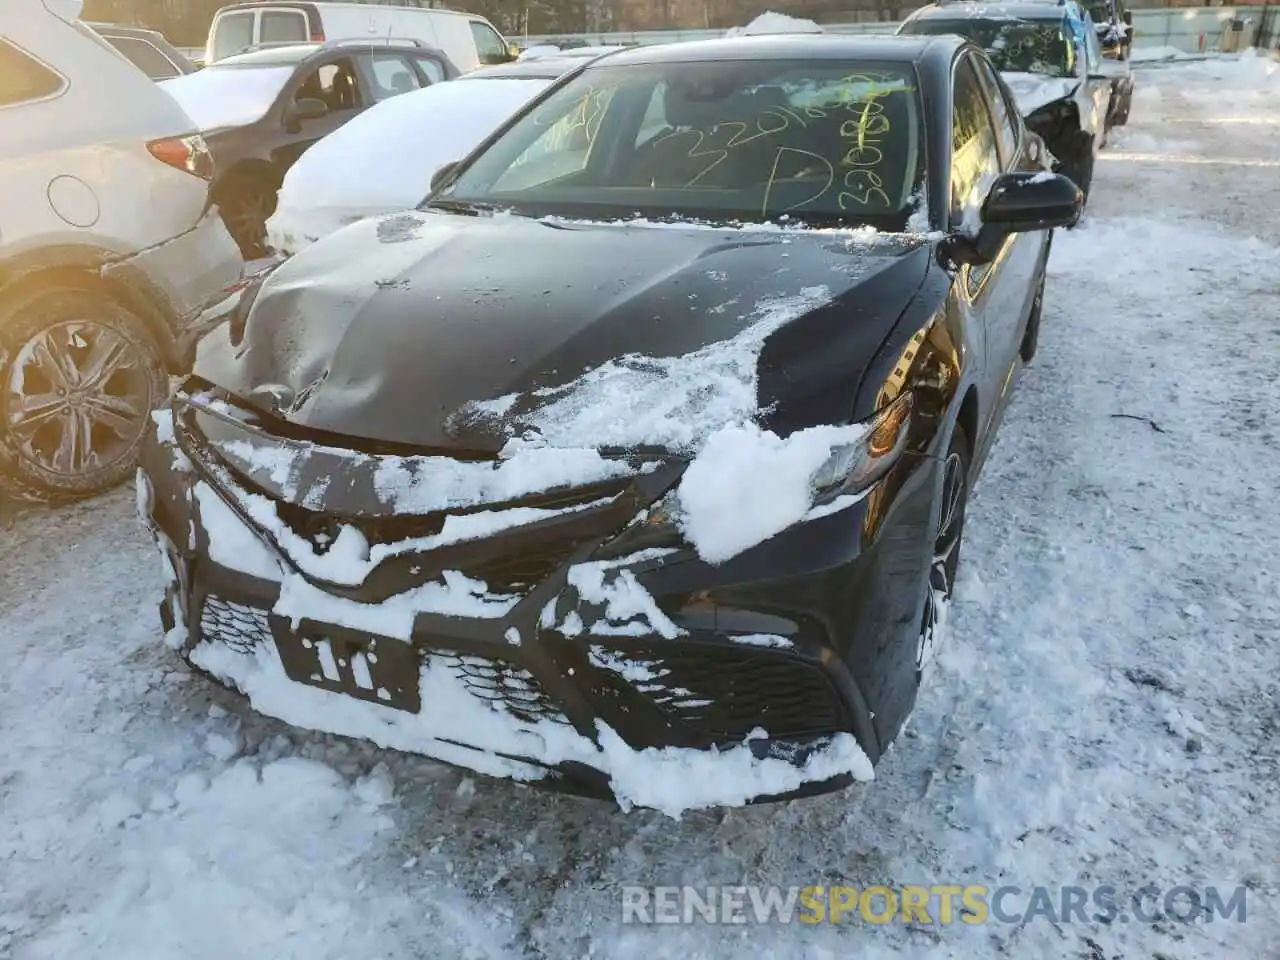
{"type": "Point", "coordinates": [774, 23]}
{"type": "Point", "coordinates": [405, 139]}
{"type": "Point", "coordinates": [1033, 91]}
{"type": "Point", "coordinates": [218, 97]}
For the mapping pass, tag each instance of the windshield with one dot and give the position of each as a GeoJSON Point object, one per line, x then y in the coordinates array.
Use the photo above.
{"type": "Point", "coordinates": [1014, 46]}
{"type": "Point", "coordinates": [825, 143]}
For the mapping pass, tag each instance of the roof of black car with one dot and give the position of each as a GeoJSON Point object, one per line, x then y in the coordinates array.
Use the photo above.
{"type": "Point", "coordinates": [976, 10]}
{"type": "Point", "coordinates": [789, 46]}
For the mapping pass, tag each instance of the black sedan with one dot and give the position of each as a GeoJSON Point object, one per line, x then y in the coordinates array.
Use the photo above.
{"type": "Point", "coordinates": [635, 460]}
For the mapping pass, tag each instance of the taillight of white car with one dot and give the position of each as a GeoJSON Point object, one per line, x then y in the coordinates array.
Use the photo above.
{"type": "Point", "coordinates": [189, 154]}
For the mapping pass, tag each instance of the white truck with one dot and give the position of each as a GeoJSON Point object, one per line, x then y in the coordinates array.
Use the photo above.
{"type": "Point", "coordinates": [468, 39]}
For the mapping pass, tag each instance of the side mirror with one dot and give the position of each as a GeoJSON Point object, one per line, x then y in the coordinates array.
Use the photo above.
{"type": "Point", "coordinates": [1021, 203]}
{"type": "Point", "coordinates": [442, 175]}
{"type": "Point", "coordinates": [303, 109]}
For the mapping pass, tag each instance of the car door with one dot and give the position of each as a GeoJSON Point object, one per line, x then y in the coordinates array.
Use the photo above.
{"type": "Point", "coordinates": [989, 291]}
{"type": "Point", "coordinates": [1025, 251]}
{"type": "Point", "coordinates": [339, 85]}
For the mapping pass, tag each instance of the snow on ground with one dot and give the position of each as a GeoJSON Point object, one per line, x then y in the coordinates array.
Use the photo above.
{"type": "Point", "coordinates": [1105, 710]}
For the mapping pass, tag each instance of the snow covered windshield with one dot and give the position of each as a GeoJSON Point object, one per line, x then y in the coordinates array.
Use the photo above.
{"type": "Point", "coordinates": [823, 143]}
{"type": "Point", "coordinates": [1014, 46]}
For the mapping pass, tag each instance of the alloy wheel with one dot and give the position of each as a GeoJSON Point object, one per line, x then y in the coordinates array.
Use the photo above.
{"type": "Point", "coordinates": [942, 566]}
{"type": "Point", "coordinates": [78, 397]}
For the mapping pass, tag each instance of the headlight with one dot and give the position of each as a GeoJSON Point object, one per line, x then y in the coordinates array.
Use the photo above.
{"type": "Point", "coordinates": [855, 466]}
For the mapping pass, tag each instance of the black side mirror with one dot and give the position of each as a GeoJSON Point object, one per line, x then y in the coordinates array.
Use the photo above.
{"type": "Point", "coordinates": [303, 109]}
{"type": "Point", "coordinates": [1021, 203]}
{"type": "Point", "coordinates": [442, 176]}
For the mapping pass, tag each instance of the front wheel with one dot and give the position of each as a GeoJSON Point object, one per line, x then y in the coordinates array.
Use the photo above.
{"type": "Point", "coordinates": [1079, 165]}
{"type": "Point", "coordinates": [79, 375]}
{"type": "Point", "coordinates": [945, 556]}
{"type": "Point", "coordinates": [246, 205]}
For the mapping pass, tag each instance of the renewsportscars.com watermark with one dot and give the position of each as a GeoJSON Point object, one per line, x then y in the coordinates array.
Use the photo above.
{"type": "Point", "coordinates": [935, 904]}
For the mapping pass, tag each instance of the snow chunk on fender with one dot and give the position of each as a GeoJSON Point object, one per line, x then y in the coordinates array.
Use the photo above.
{"type": "Point", "coordinates": [747, 485]}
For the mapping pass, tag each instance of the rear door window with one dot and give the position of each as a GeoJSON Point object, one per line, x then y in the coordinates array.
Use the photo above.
{"type": "Point", "coordinates": [147, 57]}
{"type": "Point", "coordinates": [232, 33]}
{"type": "Point", "coordinates": [392, 75]}
{"type": "Point", "coordinates": [23, 78]}
{"type": "Point", "coordinates": [431, 68]}
{"type": "Point", "coordinates": [282, 26]}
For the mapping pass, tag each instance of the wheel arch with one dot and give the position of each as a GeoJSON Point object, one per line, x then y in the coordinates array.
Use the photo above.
{"type": "Point", "coordinates": [32, 274]}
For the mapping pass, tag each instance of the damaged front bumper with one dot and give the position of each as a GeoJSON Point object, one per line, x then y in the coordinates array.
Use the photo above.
{"type": "Point", "coordinates": [653, 679]}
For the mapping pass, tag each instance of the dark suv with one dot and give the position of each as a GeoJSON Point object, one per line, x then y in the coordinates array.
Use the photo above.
{"type": "Point", "coordinates": [260, 111]}
{"type": "Point", "coordinates": [1114, 22]}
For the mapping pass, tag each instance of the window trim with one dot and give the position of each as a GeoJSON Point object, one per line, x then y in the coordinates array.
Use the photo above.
{"type": "Point", "coordinates": [1006, 163]}
{"type": "Point", "coordinates": [63, 86]}
{"type": "Point", "coordinates": [950, 141]}
{"type": "Point", "coordinates": [177, 70]}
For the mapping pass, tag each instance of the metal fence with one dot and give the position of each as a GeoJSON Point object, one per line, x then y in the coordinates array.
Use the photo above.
{"type": "Point", "coordinates": [1186, 29]}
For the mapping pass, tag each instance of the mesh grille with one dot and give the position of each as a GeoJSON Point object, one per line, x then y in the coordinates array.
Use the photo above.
{"type": "Point", "coordinates": [234, 625]}
{"type": "Point", "coordinates": [725, 693]}
{"type": "Point", "coordinates": [503, 685]}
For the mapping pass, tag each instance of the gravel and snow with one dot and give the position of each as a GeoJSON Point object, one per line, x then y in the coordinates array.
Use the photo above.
{"type": "Point", "coordinates": [1104, 710]}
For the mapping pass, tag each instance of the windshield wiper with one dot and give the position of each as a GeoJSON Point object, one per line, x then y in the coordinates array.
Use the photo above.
{"type": "Point", "coordinates": [471, 208]}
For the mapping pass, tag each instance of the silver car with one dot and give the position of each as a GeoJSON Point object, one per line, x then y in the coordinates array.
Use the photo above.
{"type": "Point", "coordinates": [109, 251]}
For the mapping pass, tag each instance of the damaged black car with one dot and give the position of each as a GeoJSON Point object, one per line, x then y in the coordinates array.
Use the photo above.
{"type": "Point", "coordinates": [634, 461]}
{"type": "Point", "coordinates": [1049, 56]}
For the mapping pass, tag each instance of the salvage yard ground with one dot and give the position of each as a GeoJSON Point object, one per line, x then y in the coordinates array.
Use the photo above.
{"type": "Point", "coordinates": [1106, 709]}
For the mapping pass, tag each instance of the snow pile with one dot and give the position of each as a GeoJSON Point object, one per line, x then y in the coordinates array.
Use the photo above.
{"type": "Point", "coordinates": [218, 97]}
{"type": "Point", "coordinates": [383, 159]}
{"type": "Point", "coordinates": [746, 485]}
{"type": "Point", "coordinates": [774, 23]}
{"type": "Point", "coordinates": [637, 400]}
{"type": "Point", "coordinates": [539, 51]}
{"type": "Point", "coordinates": [672, 781]}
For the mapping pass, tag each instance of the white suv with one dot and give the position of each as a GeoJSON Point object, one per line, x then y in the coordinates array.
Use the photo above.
{"type": "Point", "coordinates": [109, 251]}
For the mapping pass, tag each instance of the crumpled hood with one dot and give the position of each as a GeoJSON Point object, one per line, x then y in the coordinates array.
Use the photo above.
{"type": "Point", "coordinates": [397, 329]}
{"type": "Point", "coordinates": [1033, 91]}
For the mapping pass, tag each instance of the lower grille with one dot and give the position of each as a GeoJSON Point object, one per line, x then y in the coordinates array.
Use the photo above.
{"type": "Point", "coordinates": [235, 625]}
{"type": "Point", "coordinates": [504, 686]}
{"type": "Point", "coordinates": [726, 693]}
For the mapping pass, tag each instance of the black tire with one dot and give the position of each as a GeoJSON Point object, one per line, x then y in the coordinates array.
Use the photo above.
{"type": "Point", "coordinates": [246, 203]}
{"type": "Point", "coordinates": [1079, 165]}
{"type": "Point", "coordinates": [953, 501]}
{"type": "Point", "coordinates": [79, 377]}
{"type": "Point", "coordinates": [1031, 336]}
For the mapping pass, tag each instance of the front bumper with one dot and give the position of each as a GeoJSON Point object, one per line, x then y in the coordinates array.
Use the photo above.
{"type": "Point", "coordinates": [725, 687]}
